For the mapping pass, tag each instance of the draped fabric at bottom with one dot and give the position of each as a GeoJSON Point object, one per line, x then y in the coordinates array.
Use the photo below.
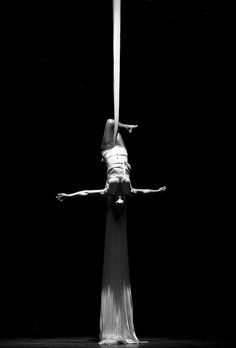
{"type": "Point", "coordinates": [116, 317]}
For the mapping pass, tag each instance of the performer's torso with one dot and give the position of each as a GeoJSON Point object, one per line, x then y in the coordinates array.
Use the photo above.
{"type": "Point", "coordinates": [116, 159]}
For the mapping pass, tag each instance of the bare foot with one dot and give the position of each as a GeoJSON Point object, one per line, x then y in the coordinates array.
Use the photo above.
{"type": "Point", "coordinates": [130, 127]}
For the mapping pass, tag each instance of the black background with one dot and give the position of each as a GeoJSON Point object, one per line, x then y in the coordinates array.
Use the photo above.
{"type": "Point", "coordinates": [176, 70]}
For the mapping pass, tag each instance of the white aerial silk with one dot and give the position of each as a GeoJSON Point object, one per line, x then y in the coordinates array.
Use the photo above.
{"type": "Point", "coordinates": [116, 61]}
{"type": "Point", "coordinates": [116, 317]}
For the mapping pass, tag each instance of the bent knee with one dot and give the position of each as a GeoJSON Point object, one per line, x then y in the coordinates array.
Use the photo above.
{"type": "Point", "coordinates": [110, 122]}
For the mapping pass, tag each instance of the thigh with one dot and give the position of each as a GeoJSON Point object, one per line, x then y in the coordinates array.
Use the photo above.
{"type": "Point", "coordinates": [108, 136]}
{"type": "Point", "coordinates": [119, 140]}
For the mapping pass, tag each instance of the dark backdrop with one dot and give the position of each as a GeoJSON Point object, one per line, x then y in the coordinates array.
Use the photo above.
{"type": "Point", "coordinates": [176, 69]}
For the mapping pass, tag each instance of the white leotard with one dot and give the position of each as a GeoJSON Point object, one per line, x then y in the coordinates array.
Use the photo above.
{"type": "Point", "coordinates": [116, 159]}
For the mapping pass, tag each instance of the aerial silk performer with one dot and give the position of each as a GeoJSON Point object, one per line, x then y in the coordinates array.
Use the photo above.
{"type": "Point", "coordinates": [116, 316]}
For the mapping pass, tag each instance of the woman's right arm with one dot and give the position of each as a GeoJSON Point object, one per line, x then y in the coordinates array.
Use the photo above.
{"type": "Point", "coordinates": [62, 196]}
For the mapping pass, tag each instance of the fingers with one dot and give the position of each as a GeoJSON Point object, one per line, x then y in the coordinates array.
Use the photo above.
{"type": "Point", "coordinates": [163, 188]}
{"type": "Point", "coordinates": [60, 197]}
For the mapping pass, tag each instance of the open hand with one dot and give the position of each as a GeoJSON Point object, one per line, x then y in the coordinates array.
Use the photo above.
{"type": "Point", "coordinates": [163, 188]}
{"type": "Point", "coordinates": [61, 196]}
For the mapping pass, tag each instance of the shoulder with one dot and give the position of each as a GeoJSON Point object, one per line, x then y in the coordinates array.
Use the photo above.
{"type": "Point", "coordinates": [132, 192]}
{"type": "Point", "coordinates": [104, 192]}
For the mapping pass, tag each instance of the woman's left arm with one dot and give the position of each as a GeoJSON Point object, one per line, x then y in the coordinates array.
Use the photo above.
{"type": "Point", "coordinates": [144, 191]}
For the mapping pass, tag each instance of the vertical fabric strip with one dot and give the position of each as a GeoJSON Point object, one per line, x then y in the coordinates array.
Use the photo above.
{"type": "Point", "coordinates": [116, 61]}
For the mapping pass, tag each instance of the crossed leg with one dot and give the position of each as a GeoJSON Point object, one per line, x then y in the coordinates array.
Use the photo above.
{"type": "Point", "coordinates": [116, 186]}
{"type": "Point", "coordinates": [108, 136]}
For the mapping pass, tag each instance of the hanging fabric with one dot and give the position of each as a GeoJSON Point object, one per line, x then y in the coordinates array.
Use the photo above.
{"type": "Point", "coordinates": [116, 316]}
{"type": "Point", "coordinates": [116, 61]}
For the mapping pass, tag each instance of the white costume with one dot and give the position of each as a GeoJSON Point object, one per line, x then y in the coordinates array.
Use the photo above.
{"type": "Point", "coordinates": [116, 159]}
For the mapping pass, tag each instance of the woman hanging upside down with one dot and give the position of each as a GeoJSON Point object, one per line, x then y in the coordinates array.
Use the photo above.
{"type": "Point", "coordinates": [116, 315]}
{"type": "Point", "coordinates": [115, 155]}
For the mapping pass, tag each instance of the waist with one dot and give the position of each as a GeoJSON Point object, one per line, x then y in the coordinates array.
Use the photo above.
{"type": "Point", "coordinates": [118, 172]}
{"type": "Point", "coordinates": [121, 165]}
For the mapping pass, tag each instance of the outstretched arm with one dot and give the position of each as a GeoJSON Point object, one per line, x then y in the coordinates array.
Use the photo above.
{"type": "Point", "coordinates": [141, 191]}
{"type": "Point", "coordinates": [62, 196]}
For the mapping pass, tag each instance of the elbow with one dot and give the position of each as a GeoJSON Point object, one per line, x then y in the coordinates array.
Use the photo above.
{"type": "Point", "coordinates": [84, 193]}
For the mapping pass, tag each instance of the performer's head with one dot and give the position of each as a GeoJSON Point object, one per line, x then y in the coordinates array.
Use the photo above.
{"type": "Point", "coordinates": [117, 190]}
{"type": "Point", "coordinates": [119, 204]}
{"type": "Point", "coordinates": [120, 201]}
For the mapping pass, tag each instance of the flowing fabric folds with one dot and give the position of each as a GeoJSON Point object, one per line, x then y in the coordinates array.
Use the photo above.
{"type": "Point", "coordinates": [116, 316]}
